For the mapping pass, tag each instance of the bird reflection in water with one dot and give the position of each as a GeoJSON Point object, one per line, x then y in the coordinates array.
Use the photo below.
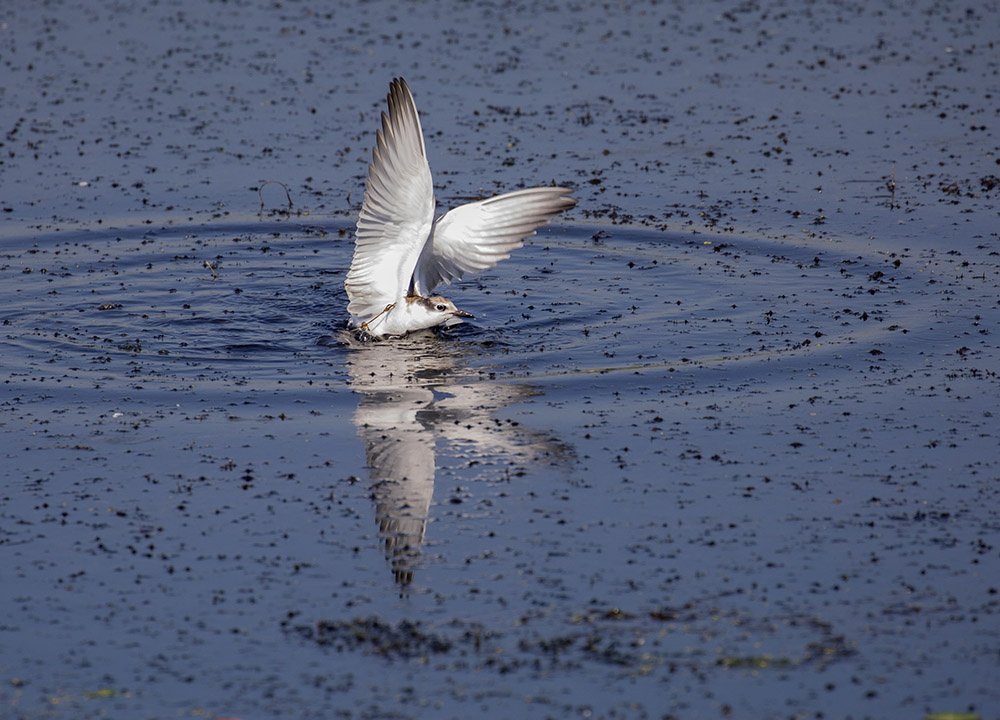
{"type": "Point", "coordinates": [419, 397]}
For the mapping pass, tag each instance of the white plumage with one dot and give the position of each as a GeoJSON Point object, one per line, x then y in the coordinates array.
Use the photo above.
{"type": "Point", "coordinates": [402, 253]}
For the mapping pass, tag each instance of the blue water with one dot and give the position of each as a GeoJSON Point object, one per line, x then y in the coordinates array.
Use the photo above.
{"type": "Point", "coordinates": [644, 458]}
{"type": "Point", "coordinates": [721, 441]}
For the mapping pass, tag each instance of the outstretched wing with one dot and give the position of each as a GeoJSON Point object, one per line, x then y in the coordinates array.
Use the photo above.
{"type": "Point", "coordinates": [478, 235]}
{"type": "Point", "coordinates": [397, 213]}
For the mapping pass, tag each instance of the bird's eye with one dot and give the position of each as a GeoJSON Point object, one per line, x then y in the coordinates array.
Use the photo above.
{"type": "Point", "coordinates": [441, 308]}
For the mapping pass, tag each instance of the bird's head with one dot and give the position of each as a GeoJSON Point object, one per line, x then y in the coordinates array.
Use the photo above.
{"type": "Point", "coordinates": [438, 310]}
{"type": "Point", "coordinates": [445, 307]}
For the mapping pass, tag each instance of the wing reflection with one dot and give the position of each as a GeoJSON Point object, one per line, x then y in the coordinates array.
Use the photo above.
{"type": "Point", "coordinates": [417, 392]}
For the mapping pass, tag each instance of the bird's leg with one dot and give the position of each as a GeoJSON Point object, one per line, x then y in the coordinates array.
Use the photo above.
{"type": "Point", "coordinates": [364, 325]}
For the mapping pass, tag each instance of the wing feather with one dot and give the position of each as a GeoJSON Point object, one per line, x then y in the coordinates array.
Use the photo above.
{"type": "Point", "coordinates": [476, 236]}
{"type": "Point", "coordinates": [398, 210]}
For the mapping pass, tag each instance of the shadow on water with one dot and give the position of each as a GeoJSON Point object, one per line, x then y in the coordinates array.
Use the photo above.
{"type": "Point", "coordinates": [416, 398]}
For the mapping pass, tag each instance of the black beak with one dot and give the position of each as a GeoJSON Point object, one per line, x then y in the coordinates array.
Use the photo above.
{"type": "Point", "coordinates": [463, 314]}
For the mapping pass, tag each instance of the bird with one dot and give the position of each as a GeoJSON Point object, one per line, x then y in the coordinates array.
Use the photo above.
{"type": "Point", "coordinates": [402, 252]}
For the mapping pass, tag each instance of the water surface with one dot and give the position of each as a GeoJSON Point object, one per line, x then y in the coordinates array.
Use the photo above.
{"type": "Point", "coordinates": [722, 440]}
